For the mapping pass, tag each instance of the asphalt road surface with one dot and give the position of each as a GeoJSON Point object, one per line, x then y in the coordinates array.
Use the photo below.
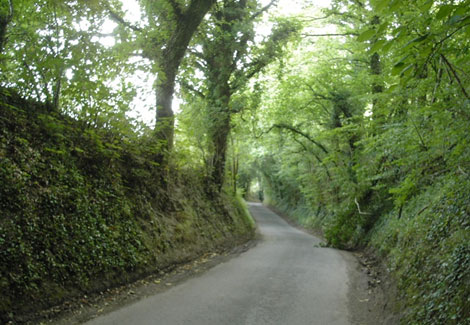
{"type": "Point", "coordinates": [285, 279]}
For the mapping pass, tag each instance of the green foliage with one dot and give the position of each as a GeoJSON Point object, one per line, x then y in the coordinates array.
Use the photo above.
{"type": "Point", "coordinates": [366, 137]}
{"type": "Point", "coordinates": [429, 252]}
{"type": "Point", "coordinates": [227, 55]}
{"type": "Point", "coordinates": [81, 210]}
{"type": "Point", "coordinates": [55, 55]}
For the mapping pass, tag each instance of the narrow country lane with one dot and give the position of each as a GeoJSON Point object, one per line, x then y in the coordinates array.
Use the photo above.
{"type": "Point", "coordinates": [285, 279]}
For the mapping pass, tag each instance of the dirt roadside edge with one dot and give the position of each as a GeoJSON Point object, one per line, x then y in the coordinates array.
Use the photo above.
{"type": "Point", "coordinates": [372, 292]}
{"type": "Point", "coordinates": [87, 307]}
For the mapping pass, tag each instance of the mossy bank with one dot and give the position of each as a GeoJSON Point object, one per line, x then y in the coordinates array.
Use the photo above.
{"type": "Point", "coordinates": [84, 208]}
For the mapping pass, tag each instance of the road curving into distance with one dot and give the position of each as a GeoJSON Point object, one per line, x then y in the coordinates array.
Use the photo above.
{"type": "Point", "coordinates": [285, 279]}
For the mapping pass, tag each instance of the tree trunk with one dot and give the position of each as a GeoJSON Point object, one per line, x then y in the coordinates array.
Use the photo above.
{"type": "Point", "coordinates": [164, 125]}
{"type": "Point", "coordinates": [186, 25]}
{"type": "Point", "coordinates": [234, 170]}
{"type": "Point", "coordinates": [6, 14]}
{"type": "Point", "coordinates": [376, 70]}
{"type": "Point", "coordinates": [218, 134]}
{"type": "Point", "coordinates": [3, 32]}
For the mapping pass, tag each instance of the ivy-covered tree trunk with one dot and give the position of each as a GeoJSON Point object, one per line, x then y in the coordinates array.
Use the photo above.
{"type": "Point", "coordinates": [218, 133]}
{"type": "Point", "coordinates": [230, 59]}
{"type": "Point", "coordinates": [219, 57]}
{"type": "Point", "coordinates": [376, 71]}
{"type": "Point", "coordinates": [6, 14]}
{"type": "Point", "coordinates": [3, 31]}
{"type": "Point", "coordinates": [164, 126]}
{"type": "Point", "coordinates": [187, 22]}
{"type": "Point", "coordinates": [220, 93]}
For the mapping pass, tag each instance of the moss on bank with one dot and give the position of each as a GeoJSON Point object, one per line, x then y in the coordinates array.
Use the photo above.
{"type": "Point", "coordinates": [81, 209]}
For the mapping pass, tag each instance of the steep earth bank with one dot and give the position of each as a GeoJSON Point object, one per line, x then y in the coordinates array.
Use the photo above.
{"type": "Point", "coordinates": [82, 209]}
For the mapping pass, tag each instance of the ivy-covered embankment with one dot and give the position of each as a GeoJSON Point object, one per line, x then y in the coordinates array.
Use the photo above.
{"type": "Point", "coordinates": [82, 209]}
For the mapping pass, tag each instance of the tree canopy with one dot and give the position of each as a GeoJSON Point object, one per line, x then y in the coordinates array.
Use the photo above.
{"type": "Point", "coordinates": [360, 130]}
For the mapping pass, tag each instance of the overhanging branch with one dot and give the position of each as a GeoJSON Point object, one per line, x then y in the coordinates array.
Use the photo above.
{"type": "Point", "coordinates": [191, 88]}
{"type": "Point", "coordinates": [262, 10]}
{"type": "Point", "coordinates": [176, 8]}
{"type": "Point", "coordinates": [121, 21]}
{"type": "Point", "coordinates": [330, 34]}
{"type": "Point", "coordinates": [303, 134]}
{"type": "Point", "coordinates": [456, 76]}
{"type": "Point", "coordinates": [307, 18]}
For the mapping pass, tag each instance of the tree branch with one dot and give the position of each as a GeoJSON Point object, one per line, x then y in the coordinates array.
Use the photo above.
{"type": "Point", "coordinates": [359, 208]}
{"type": "Point", "coordinates": [423, 144]}
{"type": "Point", "coordinates": [12, 11]}
{"type": "Point", "coordinates": [242, 44]}
{"type": "Point", "coordinates": [317, 95]}
{"type": "Point", "coordinates": [333, 34]}
{"type": "Point", "coordinates": [359, 3]}
{"type": "Point", "coordinates": [294, 130]}
{"type": "Point", "coordinates": [450, 35]}
{"type": "Point", "coordinates": [455, 75]}
{"type": "Point", "coordinates": [176, 8]}
{"type": "Point", "coordinates": [320, 161]}
{"type": "Point", "coordinates": [301, 144]}
{"type": "Point", "coordinates": [118, 19]}
{"type": "Point", "coordinates": [317, 18]}
{"type": "Point", "coordinates": [262, 10]}
{"type": "Point", "coordinates": [272, 49]}
{"type": "Point", "coordinates": [192, 89]}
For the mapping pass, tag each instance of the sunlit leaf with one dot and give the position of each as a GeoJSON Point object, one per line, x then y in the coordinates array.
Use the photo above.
{"type": "Point", "coordinates": [427, 5]}
{"type": "Point", "coordinates": [367, 35]}
{"type": "Point", "coordinates": [395, 5]}
{"type": "Point", "coordinates": [379, 5]}
{"type": "Point", "coordinates": [444, 11]}
{"type": "Point", "coordinates": [386, 48]}
{"type": "Point", "coordinates": [377, 46]}
{"type": "Point", "coordinates": [397, 68]}
{"type": "Point", "coordinates": [392, 88]}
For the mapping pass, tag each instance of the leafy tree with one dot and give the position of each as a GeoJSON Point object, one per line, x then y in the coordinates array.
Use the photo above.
{"type": "Point", "coordinates": [164, 38]}
{"type": "Point", "coordinates": [229, 57]}
{"type": "Point", "coordinates": [54, 55]}
{"type": "Point", "coordinates": [366, 136]}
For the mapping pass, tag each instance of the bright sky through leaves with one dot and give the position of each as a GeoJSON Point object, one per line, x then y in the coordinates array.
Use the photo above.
{"type": "Point", "coordinates": [144, 105]}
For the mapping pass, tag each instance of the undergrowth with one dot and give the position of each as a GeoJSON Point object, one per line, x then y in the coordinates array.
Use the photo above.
{"type": "Point", "coordinates": [428, 250]}
{"type": "Point", "coordinates": [424, 240]}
